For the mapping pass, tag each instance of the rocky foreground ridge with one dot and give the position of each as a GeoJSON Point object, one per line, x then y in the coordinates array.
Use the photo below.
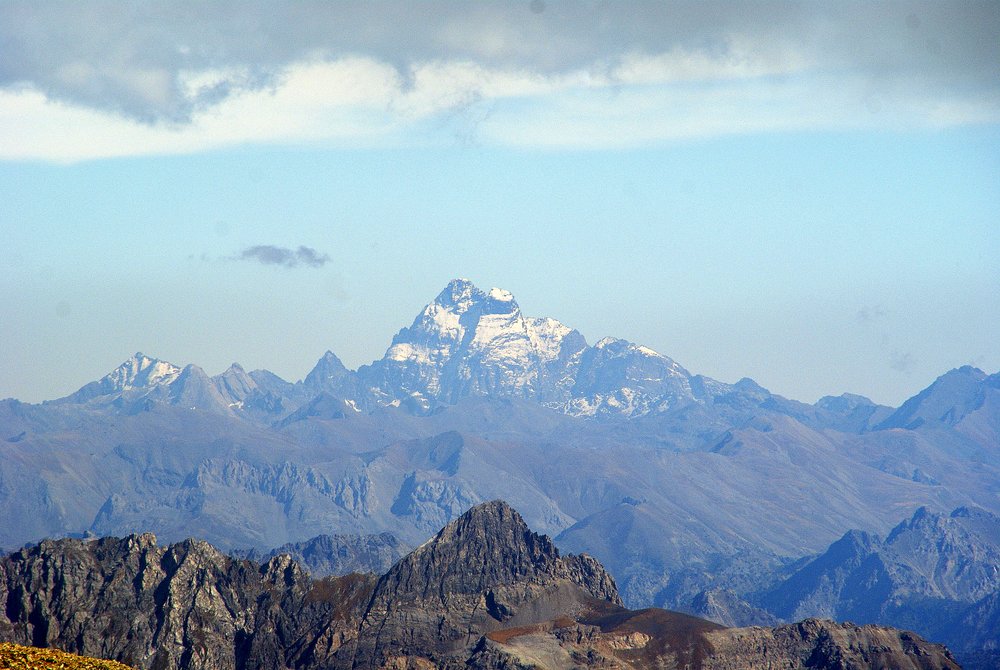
{"type": "Point", "coordinates": [485, 592]}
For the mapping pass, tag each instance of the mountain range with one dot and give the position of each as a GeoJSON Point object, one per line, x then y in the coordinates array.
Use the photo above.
{"type": "Point", "coordinates": [694, 493]}
{"type": "Point", "coordinates": [484, 592]}
{"type": "Point", "coordinates": [939, 573]}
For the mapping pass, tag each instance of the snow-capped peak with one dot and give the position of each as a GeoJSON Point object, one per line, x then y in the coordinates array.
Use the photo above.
{"type": "Point", "coordinates": [606, 342]}
{"type": "Point", "coordinates": [459, 296]}
{"type": "Point", "coordinates": [141, 371]}
{"type": "Point", "coordinates": [471, 339]}
{"type": "Point", "coordinates": [619, 345]}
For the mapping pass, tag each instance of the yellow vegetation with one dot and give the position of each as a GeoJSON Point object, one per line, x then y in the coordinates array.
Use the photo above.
{"type": "Point", "coordinates": [16, 657]}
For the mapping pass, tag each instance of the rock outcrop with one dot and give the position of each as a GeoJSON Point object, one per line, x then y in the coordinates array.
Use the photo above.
{"type": "Point", "coordinates": [183, 606]}
{"type": "Point", "coordinates": [816, 643]}
{"type": "Point", "coordinates": [326, 555]}
{"type": "Point", "coordinates": [482, 572]}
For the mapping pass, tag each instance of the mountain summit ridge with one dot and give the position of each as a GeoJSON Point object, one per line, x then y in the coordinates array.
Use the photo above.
{"type": "Point", "coordinates": [469, 342]}
{"type": "Point", "coordinates": [466, 342]}
{"type": "Point", "coordinates": [472, 342]}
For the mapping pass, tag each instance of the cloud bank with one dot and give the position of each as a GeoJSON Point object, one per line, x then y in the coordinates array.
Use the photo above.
{"type": "Point", "coordinates": [266, 254]}
{"type": "Point", "coordinates": [87, 80]}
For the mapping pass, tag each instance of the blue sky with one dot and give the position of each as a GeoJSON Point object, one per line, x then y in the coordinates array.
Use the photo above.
{"type": "Point", "coordinates": [806, 198]}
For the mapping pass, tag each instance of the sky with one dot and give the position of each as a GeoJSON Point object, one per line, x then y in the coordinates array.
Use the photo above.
{"type": "Point", "coordinates": [807, 194]}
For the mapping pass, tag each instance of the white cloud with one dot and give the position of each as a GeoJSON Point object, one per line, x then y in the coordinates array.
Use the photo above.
{"type": "Point", "coordinates": [358, 101]}
{"type": "Point", "coordinates": [99, 79]}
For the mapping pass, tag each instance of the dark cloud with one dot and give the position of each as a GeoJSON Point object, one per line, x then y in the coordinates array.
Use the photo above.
{"type": "Point", "coordinates": [870, 314]}
{"type": "Point", "coordinates": [902, 362]}
{"type": "Point", "coordinates": [133, 57]}
{"type": "Point", "coordinates": [267, 254]}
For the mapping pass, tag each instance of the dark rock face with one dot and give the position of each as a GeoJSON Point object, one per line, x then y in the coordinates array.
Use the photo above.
{"type": "Point", "coordinates": [485, 592]}
{"type": "Point", "coordinates": [183, 606]}
{"type": "Point", "coordinates": [484, 571]}
{"type": "Point", "coordinates": [815, 643]}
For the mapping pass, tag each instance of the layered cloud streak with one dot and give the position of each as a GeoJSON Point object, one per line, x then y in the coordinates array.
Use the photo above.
{"type": "Point", "coordinates": [268, 254]}
{"type": "Point", "coordinates": [89, 80]}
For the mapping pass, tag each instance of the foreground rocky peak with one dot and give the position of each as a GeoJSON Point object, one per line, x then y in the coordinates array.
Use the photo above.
{"type": "Point", "coordinates": [490, 546]}
{"type": "Point", "coordinates": [186, 606]}
{"type": "Point", "coordinates": [484, 571]}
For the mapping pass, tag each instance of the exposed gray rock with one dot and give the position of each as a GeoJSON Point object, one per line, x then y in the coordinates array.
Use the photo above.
{"type": "Point", "coordinates": [823, 644]}
{"type": "Point", "coordinates": [483, 571]}
{"type": "Point", "coordinates": [725, 607]}
{"type": "Point", "coordinates": [335, 555]}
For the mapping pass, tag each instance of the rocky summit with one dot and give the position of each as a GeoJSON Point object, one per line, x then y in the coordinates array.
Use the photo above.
{"type": "Point", "coordinates": [485, 592]}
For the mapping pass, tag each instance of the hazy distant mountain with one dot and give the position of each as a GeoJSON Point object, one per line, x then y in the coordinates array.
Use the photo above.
{"type": "Point", "coordinates": [140, 372]}
{"type": "Point", "coordinates": [965, 401]}
{"type": "Point", "coordinates": [931, 573]}
{"type": "Point", "coordinates": [468, 343]}
{"type": "Point", "coordinates": [471, 342]}
{"type": "Point", "coordinates": [335, 555]}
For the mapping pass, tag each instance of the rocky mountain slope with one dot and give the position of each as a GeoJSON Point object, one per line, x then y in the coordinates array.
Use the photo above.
{"type": "Point", "coordinates": [934, 572]}
{"type": "Point", "coordinates": [19, 657]}
{"type": "Point", "coordinates": [326, 555]}
{"type": "Point", "coordinates": [484, 592]}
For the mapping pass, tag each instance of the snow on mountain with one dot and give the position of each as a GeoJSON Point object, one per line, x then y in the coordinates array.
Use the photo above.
{"type": "Point", "coordinates": [141, 371]}
{"type": "Point", "coordinates": [623, 378]}
{"type": "Point", "coordinates": [471, 342]}
{"type": "Point", "coordinates": [138, 372]}
{"type": "Point", "coordinates": [466, 342]}
{"type": "Point", "coordinates": [142, 379]}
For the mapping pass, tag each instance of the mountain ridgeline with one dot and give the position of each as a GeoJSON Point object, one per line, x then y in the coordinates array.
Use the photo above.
{"type": "Point", "coordinates": [469, 343]}
{"type": "Point", "coordinates": [466, 343]}
{"type": "Point", "coordinates": [695, 494]}
{"type": "Point", "coordinates": [484, 592]}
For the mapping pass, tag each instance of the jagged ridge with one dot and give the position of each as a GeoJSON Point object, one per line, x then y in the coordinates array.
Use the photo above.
{"type": "Point", "coordinates": [485, 591]}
